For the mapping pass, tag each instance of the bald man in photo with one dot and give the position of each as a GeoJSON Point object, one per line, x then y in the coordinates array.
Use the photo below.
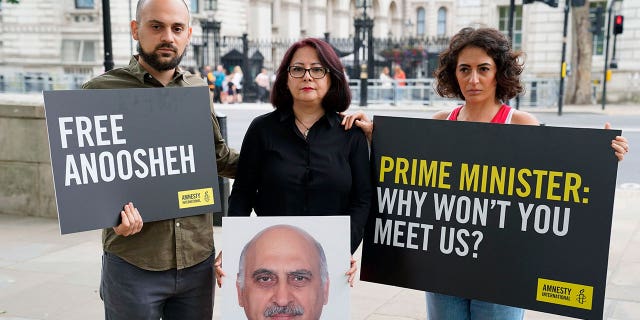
{"type": "Point", "coordinates": [283, 274]}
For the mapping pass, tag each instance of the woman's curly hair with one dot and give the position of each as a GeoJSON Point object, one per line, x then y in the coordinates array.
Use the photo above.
{"type": "Point", "coordinates": [497, 46]}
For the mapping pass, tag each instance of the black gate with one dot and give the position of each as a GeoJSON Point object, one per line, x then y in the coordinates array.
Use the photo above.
{"type": "Point", "coordinates": [418, 57]}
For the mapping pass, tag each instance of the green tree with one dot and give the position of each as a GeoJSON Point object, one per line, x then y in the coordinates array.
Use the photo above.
{"type": "Point", "coordinates": [12, 1]}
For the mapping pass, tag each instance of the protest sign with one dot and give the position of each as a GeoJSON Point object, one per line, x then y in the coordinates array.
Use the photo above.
{"type": "Point", "coordinates": [516, 215]}
{"type": "Point", "coordinates": [153, 147]}
{"type": "Point", "coordinates": [269, 286]}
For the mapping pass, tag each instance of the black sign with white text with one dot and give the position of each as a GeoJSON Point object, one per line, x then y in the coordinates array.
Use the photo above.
{"type": "Point", "coordinates": [153, 147]}
{"type": "Point", "coordinates": [511, 214]}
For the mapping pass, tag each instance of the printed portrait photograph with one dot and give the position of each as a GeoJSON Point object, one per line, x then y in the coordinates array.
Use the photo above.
{"type": "Point", "coordinates": [285, 267]}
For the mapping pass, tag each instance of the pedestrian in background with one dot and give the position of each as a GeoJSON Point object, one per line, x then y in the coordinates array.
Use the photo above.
{"type": "Point", "coordinates": [237, 78]}
{"type": "Point", "coordinates": [210, 79]}
{"type": "Point", "coordinates": [262, 81]}
{"type": "Point", "coordinates": [217, 83]}
{"type": "Point", "coordinates": [399, 76]}
{"type": "Point", "coordinates": [386, 82]}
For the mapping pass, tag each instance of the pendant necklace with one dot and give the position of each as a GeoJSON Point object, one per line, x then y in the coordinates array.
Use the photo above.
{"type": "Point", "coordinates": [306, 131]}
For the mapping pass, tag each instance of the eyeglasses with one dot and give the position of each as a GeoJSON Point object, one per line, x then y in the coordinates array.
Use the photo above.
{"type": "Point", "coordinates": [315, 72]}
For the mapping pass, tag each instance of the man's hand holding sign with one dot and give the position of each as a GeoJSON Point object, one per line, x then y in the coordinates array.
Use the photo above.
{"type": "Point", "coordinates": [130, 221]}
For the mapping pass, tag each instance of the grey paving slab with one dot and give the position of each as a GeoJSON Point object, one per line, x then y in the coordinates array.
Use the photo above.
{"type": "Point", "coordinates": [405, 304]}
{"type": "Point", "coordinates": [50, 300]}
{"type": "Point", "coordinates": [369, 298]}
{"type": "Point", "coordinates": [44, 275]}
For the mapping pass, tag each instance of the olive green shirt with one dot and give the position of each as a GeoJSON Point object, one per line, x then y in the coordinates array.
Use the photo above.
{"type": "Point", "coordinates": [175, 243]}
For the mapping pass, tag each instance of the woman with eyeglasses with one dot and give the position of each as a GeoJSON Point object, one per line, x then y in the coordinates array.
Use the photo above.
{"type": "Point", "coordinates": [299, 160]}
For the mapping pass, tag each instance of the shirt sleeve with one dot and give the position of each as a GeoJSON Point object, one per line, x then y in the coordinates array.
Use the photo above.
{"type": "Point", "coordinates": [360, 197]}
{"type": "Point", "coordinates": [245, 186]}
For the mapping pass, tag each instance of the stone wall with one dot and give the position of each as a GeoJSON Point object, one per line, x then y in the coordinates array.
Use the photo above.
{"type": "Point", "coordinates": [26, 181]}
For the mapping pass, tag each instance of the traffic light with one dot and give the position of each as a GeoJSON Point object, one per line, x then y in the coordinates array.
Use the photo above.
{"type": "Point", "coordinates": [578, 3]}
{"type": "Point", "coordinates": [551, 3]}
{"type": "Point", "coordinates": [617, 24]}
{"type": "Point", "coordinates": [596, 20]}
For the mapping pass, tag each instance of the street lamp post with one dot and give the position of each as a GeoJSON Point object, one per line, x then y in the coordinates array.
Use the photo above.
{"type": "Point", "coordinates": [209, 24]}
{"type": "Point", "coordinates": [605, 74]}
{"type": "Point", "coordinates": [364, 30]}
{"type": "Point", "coordinates": [216, 41]}
{"type": "Point", "coordinates": [106, 31]}
{"type": "Point", "coordinates": [409, 28]}
{"type": "Point", "coordinates": [563, 68]}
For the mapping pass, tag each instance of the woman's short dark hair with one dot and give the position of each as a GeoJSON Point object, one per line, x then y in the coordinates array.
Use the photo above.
{"type": "Point", "coordinates": [497, 46]}
{"type": "Point", "coordinates": [337, 99]}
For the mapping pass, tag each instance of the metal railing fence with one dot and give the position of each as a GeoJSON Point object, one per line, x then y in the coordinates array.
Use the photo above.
{"type": "Point", "coordinates": [538, 92]}
{"type": "Point", "coordinates": [21, 83]}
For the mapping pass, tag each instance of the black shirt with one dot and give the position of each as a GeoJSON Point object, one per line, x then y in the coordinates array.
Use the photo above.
{"type": "Point", "coordinates": [280, 173]}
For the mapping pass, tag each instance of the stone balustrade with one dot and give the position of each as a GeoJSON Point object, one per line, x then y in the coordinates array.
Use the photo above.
{"type": "Point", "coordinates": [26, 181]}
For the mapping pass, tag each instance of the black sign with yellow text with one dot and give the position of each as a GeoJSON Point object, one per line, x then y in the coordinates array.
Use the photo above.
{"type": "Point", "coordinates": [515, 215]}
{"type": "Point", "coordinates": [152, 147]}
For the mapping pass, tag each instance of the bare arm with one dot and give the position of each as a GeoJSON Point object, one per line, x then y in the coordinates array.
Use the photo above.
{"type": "Point", "coordinates": [524, 118]}
{"type": "Point", "coordinates": [441, 115]}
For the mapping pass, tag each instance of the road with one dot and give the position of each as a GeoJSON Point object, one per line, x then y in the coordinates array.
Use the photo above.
{"type": "Point", "coordinates": [239, 117]}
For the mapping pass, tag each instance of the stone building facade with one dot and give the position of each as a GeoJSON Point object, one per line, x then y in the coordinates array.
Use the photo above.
{"type": "Point", "coordinates": [61, 40]}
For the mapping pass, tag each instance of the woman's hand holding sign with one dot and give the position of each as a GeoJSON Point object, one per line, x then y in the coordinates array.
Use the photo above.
{"type": "Point", "coordinates": [351, 273]}
{"type": "Point", "coordinates": [131, 221]}
{"type": "Point", "coordinates": [620, 145]}
{"type": "Point", "coordinates": [218, 269]}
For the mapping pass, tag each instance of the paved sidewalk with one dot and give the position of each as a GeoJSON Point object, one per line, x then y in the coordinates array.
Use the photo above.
{"type": "Point", "coordinates": [44, 275]}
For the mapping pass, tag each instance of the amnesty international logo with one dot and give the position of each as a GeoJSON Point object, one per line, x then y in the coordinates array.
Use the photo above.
{"type": "Point", "coordinates": [581, 298]}
{"type": "Point", "coordinates": [565, 293]}
{"type": "Point", "coordinates": [195, 198]}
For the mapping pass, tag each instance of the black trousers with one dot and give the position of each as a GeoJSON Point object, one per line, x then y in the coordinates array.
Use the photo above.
{"type": "Point", "coordinates": [129, 292]}
{"type": "Point", "coordinates": [216, 94]}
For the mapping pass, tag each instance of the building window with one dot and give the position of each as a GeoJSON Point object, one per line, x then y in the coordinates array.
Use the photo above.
{"type": "Point", "coordinates": [442, 21]}
{"type": "Point", "coordinates": [194, 6]}
{"type": "Point", "coordinates": [210, 5]}
{"type": "Point", "coordinates": [78, 51]}
{"type": "Point", "coordinates": [85, 4]}
{"type": "Point", "coordinates": [503, 25]}
{"type": "Point", "coordinates": [420, 22]}
{"type": "Point", "coordinates": [598, 35]}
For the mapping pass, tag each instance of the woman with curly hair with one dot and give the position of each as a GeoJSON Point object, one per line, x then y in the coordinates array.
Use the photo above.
{"type": "Point", "coordinates": [480, 68]}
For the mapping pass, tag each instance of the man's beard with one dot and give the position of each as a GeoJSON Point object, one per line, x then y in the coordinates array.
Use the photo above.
{"type": "Point", "coordinates": [153, 59]}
